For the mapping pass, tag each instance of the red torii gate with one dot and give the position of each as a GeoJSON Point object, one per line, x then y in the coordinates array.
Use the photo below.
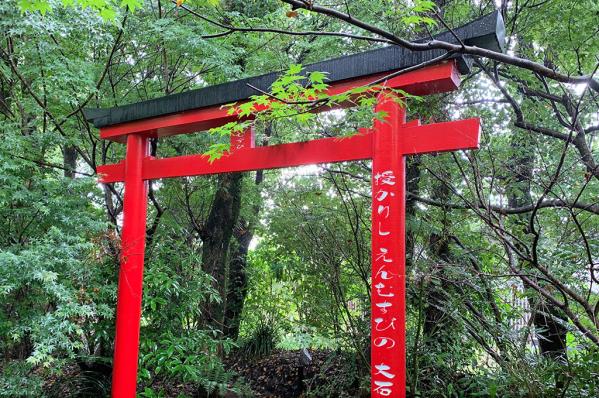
{"type": "Point", "coordinates": [386, 143]}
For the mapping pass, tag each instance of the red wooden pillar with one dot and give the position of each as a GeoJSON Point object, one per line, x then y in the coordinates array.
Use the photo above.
{"type": "Point", "coordinates": [128, 312]}
{"type": "Point", "coordinates": [243, 140]}
{"type": "Point", "coordinates": [388, 346]}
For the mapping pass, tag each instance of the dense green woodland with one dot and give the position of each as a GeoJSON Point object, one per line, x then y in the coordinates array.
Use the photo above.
{"type": "Point", "coordinates": [247, 269]}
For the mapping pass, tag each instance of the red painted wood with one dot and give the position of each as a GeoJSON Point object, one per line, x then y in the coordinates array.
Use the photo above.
{"type": "Point", "coordinates": [325, 150]}
{"type": "Point", "coordinates": [438, 137]}
{"type": "Point", "coordinates": [388, 345]}
{"type": "Point", "coordinates": [433, 79]}
{"type": "Point", "coordinates": [244, 139]}
{"type": "Point", "coordinates": [128, 310]}
{"type": "Point", "coordinates": [109, 173]}
{"type": "Point", "coordinates": [387, 144]}
{"type": "Point", "coordinates": [441, 137]}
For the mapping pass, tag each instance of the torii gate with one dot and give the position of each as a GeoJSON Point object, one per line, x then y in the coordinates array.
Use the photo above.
{"type": "Point", "coordinates": [386, 143]}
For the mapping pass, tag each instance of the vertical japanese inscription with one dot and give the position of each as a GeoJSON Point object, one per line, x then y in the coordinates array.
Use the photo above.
{"type": "Point", "coordinates": [388, 255]}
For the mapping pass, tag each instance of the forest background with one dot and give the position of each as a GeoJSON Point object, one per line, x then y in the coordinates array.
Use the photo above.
{"type": "Point", "coordinates": [502, 242]}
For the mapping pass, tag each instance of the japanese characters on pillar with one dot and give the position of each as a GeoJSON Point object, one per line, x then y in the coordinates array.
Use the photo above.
{"type": "Point", "coordinates": [388, 264]}
{"type": "Point", "coordinates": [243, 139]}
{"type": "Point", "coordinates": [387, 145]}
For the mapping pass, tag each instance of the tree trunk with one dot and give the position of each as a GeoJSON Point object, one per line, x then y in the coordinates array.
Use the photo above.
{"type": "Point", "coordinates": [216, 237]}
{"type": "Point", "coordinates": [238, 282]}
{"type": "Point", "coordinates": [237, 288]}
{"type": "Point", "coordinates": [69, 161]}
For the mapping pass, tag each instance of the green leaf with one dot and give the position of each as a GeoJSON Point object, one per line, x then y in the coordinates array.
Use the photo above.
{"type": "Point", "coordinates": [131, 4]}
{"type": "Point", "coordinates": [305, 117]}
{"type": "Point", "coordinates": [381, 116]}
{"type": "Point", "coordinates": [216, 151]}
{"type": "Point", "coordinates": [42, 6]}
{"type": "Point", "coordinates": [246, 108]}
{"type": "Point", "coordinates": [294, 69]}
{"type": "Point", "coordinates": [424, 5]}
{"type": "Point", "coordinates": [317, 77]}
{"type": "Point", "coordinates": [107, 14]}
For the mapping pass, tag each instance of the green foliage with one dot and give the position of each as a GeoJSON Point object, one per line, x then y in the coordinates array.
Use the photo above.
{"type": "Point", "coordinates": [296, 97]}
{"type": "Point", "coordinates": [16, 380]}
{"type": "Point", "coordinates": [308, 274]}
{"type": "Point", "coordinates": [418, 14]}
{"type": "Point", "coordinates": [260, 343]}
{"type": "Point", "coordinates": [51, 261]}
{"type": "Point", "coordinates": [269, 303]}
{"type": "Point", "coordinates": [174, 345]}
{"type": "Point", "coordinates": [107, 9]}
{"type": "Point", "coordinates": [190, 358]}
{"type": "Point", "coordinates": [216, 151]}
{"type": "Point", "coordinates": [302, 336]}
{"type": "Point", "coordinates": [151, 393]}
{"type": "Point", "coordinates": [34, 272]}
{"type": "Point", "coordinates": [338, 377]}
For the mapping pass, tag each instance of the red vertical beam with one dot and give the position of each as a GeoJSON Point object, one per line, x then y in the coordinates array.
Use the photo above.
{"type": "Point", "coordinates": [388, 345]}
{"type": "Point", "coordinates": [243, 139]}
{"type": "Point", "coordinates": [128, 312]}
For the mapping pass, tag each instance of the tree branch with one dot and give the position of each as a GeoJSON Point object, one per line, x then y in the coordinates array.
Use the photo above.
{"type": "Point", "coordinates": [441, 45]}
{"type": "Point", "coordinates": [232, 29]}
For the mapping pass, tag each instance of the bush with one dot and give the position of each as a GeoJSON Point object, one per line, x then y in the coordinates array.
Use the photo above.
{"type": "Point", "coordinates": [191, 358]}
{"type": "Point", "coordinates": [17, 380]}
{"type": "Point", "coordinates": [260, 343]}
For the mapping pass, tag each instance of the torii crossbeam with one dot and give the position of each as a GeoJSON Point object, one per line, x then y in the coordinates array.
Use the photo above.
{"type": "Point", "coordinates": [387, 143]}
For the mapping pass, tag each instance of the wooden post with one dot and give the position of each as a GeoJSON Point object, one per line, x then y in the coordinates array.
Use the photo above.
{"type": "Point", "coordinates": [133, 242]}
{"type": "Point", "coordinates": [388, 337]}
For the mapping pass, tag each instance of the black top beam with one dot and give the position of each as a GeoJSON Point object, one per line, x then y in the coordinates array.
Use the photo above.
{"type": "Point", "coordinates": [486, 32]}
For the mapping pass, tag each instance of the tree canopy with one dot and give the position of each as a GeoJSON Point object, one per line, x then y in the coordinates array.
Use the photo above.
{"type": "Point", "coordinates": [245, 270]}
